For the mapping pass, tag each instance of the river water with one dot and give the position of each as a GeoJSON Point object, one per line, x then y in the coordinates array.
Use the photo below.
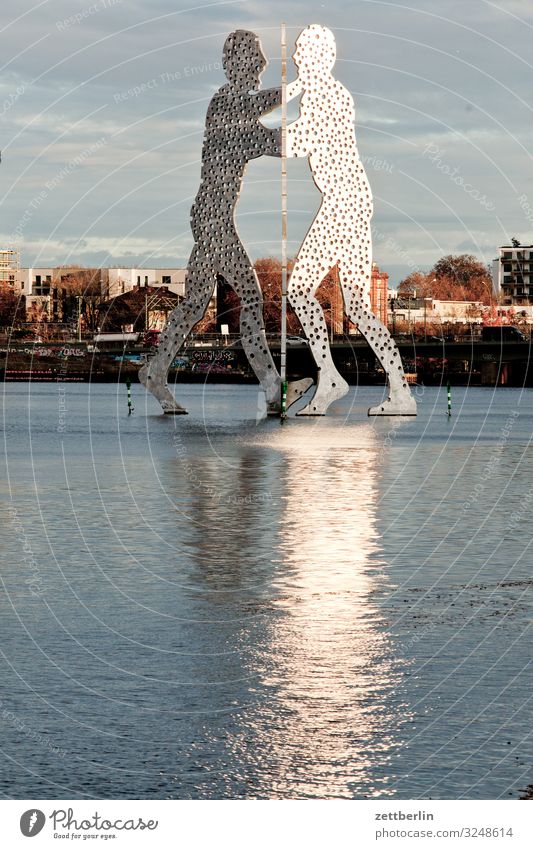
{"type": "Point", "coordinates": [215, 605]}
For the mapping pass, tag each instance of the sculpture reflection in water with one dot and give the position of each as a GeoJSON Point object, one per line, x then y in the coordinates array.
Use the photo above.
{"type": "Point", "coordinates": [326, 724]}
{"type": "Point", "coordinates": [233, 136]}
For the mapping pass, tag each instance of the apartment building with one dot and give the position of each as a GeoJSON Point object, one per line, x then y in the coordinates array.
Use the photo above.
{"type": "Point", "coordinates": [512, 275]}
{"type": "Point", "coordinates": [9, 268]}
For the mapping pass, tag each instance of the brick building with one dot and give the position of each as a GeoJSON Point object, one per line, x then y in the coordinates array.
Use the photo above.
{"type": "Point", "coordinates": [379, 293]}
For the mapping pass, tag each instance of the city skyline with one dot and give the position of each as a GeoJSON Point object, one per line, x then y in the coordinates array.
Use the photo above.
{"type": "Point", "coordinates": [102, 109]}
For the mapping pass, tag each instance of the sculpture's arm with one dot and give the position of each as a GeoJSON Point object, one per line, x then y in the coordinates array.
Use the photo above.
{"type": "Point", "coordinates": [272, 141]}
{"type": "Point", "coordinates": [270, 98]}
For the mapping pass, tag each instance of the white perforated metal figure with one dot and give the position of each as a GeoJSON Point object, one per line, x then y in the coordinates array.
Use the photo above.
{"type": "Point", "coordinates": [233, 136]}
{"type": "Point", "coordinates": [340, 234]}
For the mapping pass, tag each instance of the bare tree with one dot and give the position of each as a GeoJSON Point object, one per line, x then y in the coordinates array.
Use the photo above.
{"type": "Point", "coordinates": [11, 307]}
{"type": "Point", "coordinates": [415, 284]}
{"type": "Point", "coordinates": [82, 293]}
{"type": "Point", "coordinates": [329, 296]}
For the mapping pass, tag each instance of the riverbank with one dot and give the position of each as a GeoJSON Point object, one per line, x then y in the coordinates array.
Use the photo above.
{"type": "Point", "coordinates": [432, 363]}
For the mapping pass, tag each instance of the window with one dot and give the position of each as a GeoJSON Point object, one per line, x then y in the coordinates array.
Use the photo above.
{"type": "Point", "coordinates": [166, 280]}
{"type": "Point", "coordinates": [41, 288]}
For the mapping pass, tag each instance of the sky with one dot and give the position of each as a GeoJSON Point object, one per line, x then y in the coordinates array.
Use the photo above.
{"type": "Point", "coordinates": [102, 107]}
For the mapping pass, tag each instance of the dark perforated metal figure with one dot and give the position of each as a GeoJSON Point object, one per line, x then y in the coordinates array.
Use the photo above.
{"type": "Point", "coordinates": [233, 136]}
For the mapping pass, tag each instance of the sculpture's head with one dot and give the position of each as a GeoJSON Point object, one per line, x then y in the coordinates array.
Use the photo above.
{"type": "Point", "coordinates": [243, 60]}
{"type": "Point", "coordinates": [315, 52]}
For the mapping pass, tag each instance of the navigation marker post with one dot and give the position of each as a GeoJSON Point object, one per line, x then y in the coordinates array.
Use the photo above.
{"type": "Point", "coordinates": [130, 406]}
{"type": "Point", "coordinates": [283, 365]}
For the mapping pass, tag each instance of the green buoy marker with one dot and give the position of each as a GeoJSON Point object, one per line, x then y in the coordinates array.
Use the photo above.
{"type": "Point", "coordinates": [284, 387]}
{"type": "Point", "coordinates": [130, 406]}
{"type": "Point", "coordinates": [449, 389]}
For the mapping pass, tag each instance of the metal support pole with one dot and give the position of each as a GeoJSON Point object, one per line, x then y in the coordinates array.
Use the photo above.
{"type": "Point", "coordinates": [449, 390]}
{"type": "Point", "coordinates": [283, 367]}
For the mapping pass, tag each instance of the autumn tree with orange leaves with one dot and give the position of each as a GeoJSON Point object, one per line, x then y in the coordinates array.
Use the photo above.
{"type": "Point", "coordinates": [453, 278]}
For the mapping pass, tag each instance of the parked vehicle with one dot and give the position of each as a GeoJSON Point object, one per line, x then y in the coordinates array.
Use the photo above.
{"type": "Point", "coordinates": [100, 338]}
{"type": "Point", "coordinates": [151, 338]}
{"type": "Point", "coordinates": [502, 333]}
{"type": "Point", "coordinates": [293, 341]}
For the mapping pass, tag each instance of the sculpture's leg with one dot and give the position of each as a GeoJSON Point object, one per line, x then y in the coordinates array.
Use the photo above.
{"type": "Point", "coordinates": [306, 277]}
{"type": "Point", "coordinates": [242, 277]}
{"type": "Point", "coordinates": [200, 284]}
{"type": "Point", "coordinates": [400, 401]}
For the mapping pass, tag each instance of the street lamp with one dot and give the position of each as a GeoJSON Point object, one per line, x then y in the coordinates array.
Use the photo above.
{"type": "Point", "coordinates": [425, 318]}
{"type": "Point", "coordinates": [79, 318]}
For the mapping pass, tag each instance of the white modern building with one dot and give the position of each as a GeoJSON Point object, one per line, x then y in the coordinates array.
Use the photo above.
{"type": "Point", "coordinates": [40, 286]}
{"type": "Point", "coordinates": [9, 268]}
{"type": "Point", "coordinates": [512, 275]}
{"type": "Point", "coordinates": [420, 310]}
{"type": "Point", "coordinates": [38, 282]}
